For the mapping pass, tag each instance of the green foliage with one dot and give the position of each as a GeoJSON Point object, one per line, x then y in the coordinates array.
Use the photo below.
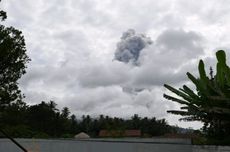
{"type": "Point", "coordinates": [19, 130]}
{"type": "Point", "coordinates": [67, 136]}
{"type": "Point", "coordinates": [41, 135]}
{"type": "Point", "coordinates": [44, 120]}
{"type": "Point", "coordinates": [13, 61]}
{"type": "Point", "coordinates": [211, 101]}
{"type": "Point", "coordinates": [211, 141]}
{"type": "Point", "coordinates": [214, 141]}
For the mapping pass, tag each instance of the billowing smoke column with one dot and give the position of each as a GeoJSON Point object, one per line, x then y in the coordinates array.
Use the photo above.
{"type": "Point", "coordinates": [130, 46]}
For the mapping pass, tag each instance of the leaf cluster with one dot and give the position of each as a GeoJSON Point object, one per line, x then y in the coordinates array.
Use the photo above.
{"type": "Point", "coordinates": [210, 103]}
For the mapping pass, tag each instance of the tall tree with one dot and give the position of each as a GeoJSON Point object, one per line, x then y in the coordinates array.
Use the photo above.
{"type": "Point", "coordinates": [210, 103]}
{"type": "Point", "coordinates": [12, 66]}
{"type": "Point", "coordinates": [13, 59]}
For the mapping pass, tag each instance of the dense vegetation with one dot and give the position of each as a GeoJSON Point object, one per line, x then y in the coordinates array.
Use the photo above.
{"type": "Point", "coordinates": [44, 120]}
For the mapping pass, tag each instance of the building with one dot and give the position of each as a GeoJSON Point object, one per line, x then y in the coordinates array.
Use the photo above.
{"type": "Point", "coordinates": [82, 135]}
{"type": "Point", "coordinates": [120, 133]}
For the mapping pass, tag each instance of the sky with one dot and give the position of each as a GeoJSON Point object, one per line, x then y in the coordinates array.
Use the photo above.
{"type": "Point", "coordinates": [113, 57]}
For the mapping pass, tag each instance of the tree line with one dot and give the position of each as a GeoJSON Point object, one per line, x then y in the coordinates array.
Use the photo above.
{"type": "Point", "coordinates": [44, 120]}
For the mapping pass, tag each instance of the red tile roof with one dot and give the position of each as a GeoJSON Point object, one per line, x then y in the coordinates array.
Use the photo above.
{"type": "Point", "coordinates": [120, 133]}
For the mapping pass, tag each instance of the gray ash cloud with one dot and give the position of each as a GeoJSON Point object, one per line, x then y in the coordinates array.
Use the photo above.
{"type": "Point", "coordinates": [130, 46]}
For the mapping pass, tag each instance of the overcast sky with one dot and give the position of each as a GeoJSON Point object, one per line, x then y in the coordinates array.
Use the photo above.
{"type": "Point", "coordinates": [112, 57]}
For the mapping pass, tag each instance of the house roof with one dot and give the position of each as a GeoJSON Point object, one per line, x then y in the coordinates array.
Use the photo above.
{"type": "Point", "coordinates": [81, 135]}
{"type": "Point", "coordinates": [120, 133]}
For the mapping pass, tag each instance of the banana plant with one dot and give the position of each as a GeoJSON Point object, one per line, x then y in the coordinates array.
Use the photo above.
{"type": "Point", "coordinates": [210, 102]}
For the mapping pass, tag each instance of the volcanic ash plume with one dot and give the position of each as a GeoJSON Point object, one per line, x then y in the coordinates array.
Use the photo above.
{"type": "Point", "coordinates": [130, 46]}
